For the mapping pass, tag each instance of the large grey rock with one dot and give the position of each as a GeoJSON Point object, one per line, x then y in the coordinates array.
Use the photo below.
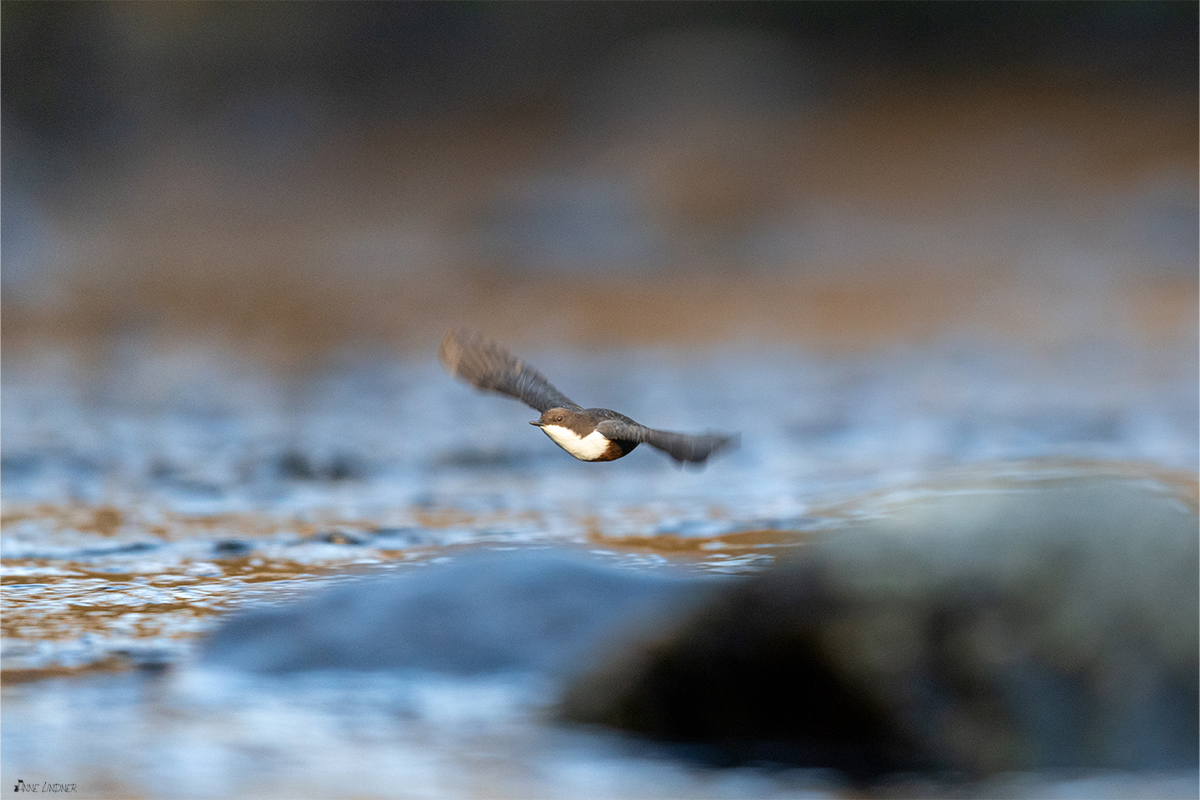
{"type": "Point", "coordinates": [1000, 628]}
{"type": "Point", "coordinates": [524, 610]}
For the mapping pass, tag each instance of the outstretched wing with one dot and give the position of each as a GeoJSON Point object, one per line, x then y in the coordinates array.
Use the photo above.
{"type": "Point", "coordinates": [682, 447]}
{"type": "Point", "coordinates": [485, 364]}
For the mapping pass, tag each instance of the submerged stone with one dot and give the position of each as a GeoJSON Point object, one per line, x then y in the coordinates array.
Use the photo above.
{"type": "Point", "coordinates": [523, 610]}
{"type": "Point", "coordinates": [1002, 628]}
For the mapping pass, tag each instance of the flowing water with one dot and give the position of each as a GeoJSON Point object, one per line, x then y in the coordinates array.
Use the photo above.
{"type": "Point", "coordinates": [149, 493]}
{"type": "Point", "coordinates": [220, 392]}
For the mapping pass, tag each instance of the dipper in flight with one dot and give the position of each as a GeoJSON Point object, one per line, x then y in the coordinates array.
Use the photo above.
{"type": "Point", "coordinates": [589, 434]}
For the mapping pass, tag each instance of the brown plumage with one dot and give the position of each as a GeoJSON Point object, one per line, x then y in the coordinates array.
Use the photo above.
{"type": "Point", "coordinates": [589, 434]}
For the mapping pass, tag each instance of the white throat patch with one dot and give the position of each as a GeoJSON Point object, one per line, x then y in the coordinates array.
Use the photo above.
{"type": "Point", "coordinates": [585, 448]}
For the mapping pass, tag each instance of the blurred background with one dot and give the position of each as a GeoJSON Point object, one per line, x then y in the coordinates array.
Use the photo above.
{"type": "Point", "coordinates": [289, 180]}
{"type": "Point", "coordinates": [885, 242]}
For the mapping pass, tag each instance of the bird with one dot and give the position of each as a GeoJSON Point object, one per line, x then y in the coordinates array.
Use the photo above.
{"type": "Point", "coordinates": [588, 434]}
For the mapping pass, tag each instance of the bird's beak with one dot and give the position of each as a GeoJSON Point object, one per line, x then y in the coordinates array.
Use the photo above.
{"type": "Point", "coordinates": [537, 422]}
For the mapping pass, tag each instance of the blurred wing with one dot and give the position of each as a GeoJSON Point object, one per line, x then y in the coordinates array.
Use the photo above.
{"type": "Point", "coordinates": [679, 446]}
{"type": "Point", "coordinates": [485, 364]}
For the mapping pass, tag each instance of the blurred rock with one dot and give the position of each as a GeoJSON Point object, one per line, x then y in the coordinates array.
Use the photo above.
{"type": "Point", "coordinates": [339, 537]}
{"type": "Point", "coordinates": [297, 466]}
{"type": "Point", "coordinates": [486, 612]}
{"type": "Point", "coordinates": [1054, 626]}
{"type": "Point", "coordinates": [232, 548]}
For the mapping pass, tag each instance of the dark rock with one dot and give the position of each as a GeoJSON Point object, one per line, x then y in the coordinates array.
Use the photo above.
{"type": "Point", "coordinates": [340, 537]}
{"type": "Point", "coordinates": [344, 467]}
{"type": "Point", "coordinates": [232, 547]}
{"type": "Point", "coordinates": [528, 610]}
{"type": "Point", "coordinates": [295, 466]}
{"type": "Point", "coordinates": [115, 550]}
{"type": "Point", "coordinates": [1051, 626]}
{"type": "Point", "coordinates": [146, 659]}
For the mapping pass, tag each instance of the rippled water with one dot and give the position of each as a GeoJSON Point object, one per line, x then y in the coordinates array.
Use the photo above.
{"type": "Point", "coordinates": [147, 494]}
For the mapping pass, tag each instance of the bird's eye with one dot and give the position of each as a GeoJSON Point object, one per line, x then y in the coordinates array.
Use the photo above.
{"type": "Point", "coordinates": [558, 418]}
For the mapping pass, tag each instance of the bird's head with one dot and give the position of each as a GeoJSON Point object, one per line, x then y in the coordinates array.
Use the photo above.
{"type": "Point", "coordinates": [554, 416]}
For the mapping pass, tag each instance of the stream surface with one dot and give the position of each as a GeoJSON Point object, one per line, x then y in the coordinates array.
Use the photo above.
{"type": "Point", "coordinates": [149, 494]}
{"type": "Point", "coordinates": [221, 399]}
